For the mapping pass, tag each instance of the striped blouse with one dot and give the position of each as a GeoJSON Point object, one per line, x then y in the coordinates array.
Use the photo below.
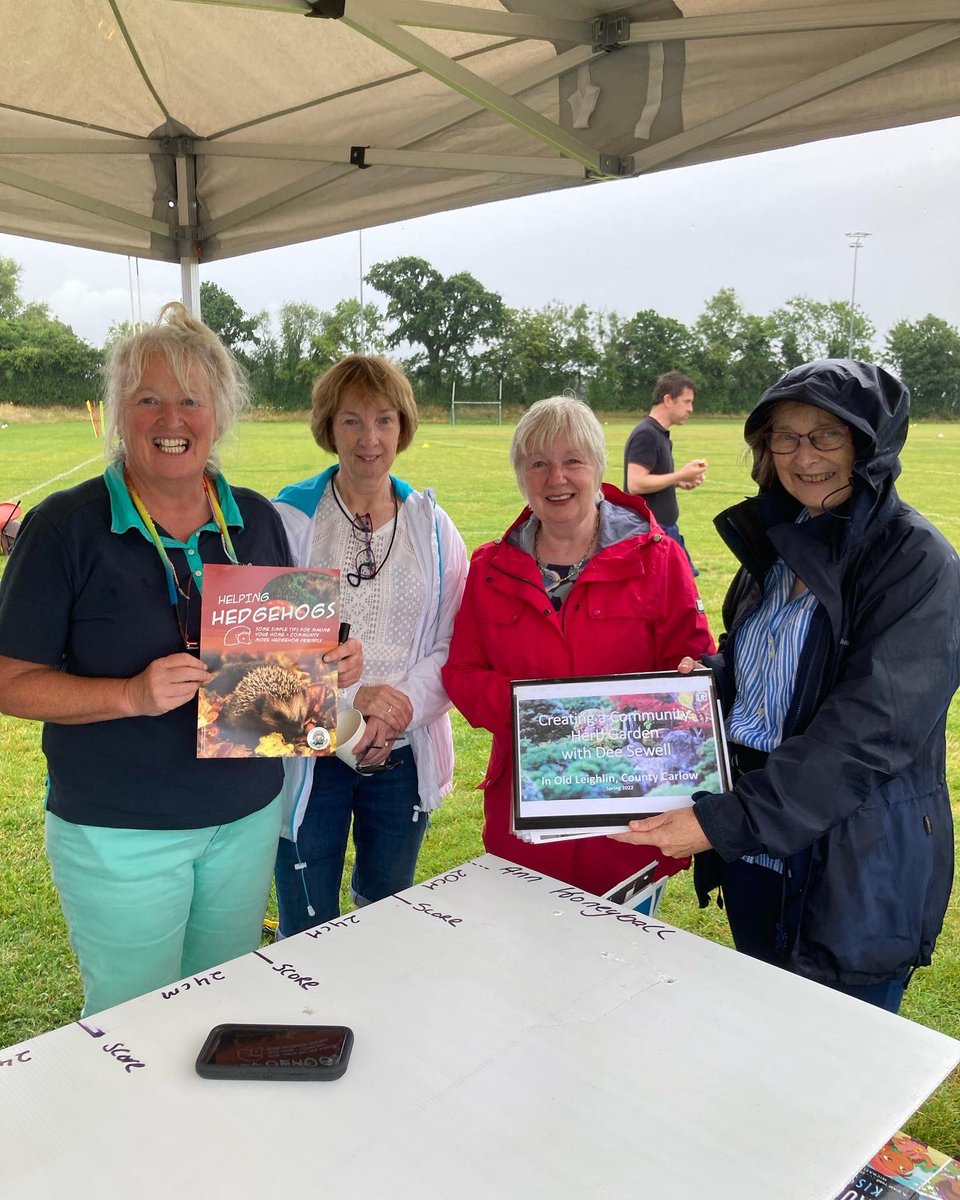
{"type": "Point", "coordinates": [768, 650]}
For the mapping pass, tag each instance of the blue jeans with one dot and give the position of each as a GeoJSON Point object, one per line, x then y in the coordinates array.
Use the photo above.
{"type": "Point", "coordinates": [387, 832]}
{"type": "Point", "coordinates": [673, 531]}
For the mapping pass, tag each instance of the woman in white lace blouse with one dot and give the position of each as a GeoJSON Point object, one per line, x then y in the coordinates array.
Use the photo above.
{"type": "Point", "coordinates": [403, 566]}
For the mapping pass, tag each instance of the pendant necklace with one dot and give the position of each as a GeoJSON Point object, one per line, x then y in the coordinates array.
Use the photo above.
{"type": "Point", "coordinates": [552, 579]}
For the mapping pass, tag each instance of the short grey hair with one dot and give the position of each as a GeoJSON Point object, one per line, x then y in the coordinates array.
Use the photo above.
{"type": "Point", "coordinates": [183, 343]}
{"type": "Point", "coordinates": [547, 421]}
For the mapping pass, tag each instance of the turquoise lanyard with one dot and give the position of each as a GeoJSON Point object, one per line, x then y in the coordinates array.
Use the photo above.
{"type": "Point", "coordinates": [173, 586]}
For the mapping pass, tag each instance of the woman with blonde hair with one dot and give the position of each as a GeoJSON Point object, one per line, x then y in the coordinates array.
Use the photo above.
{"type": "Point", "coordinates": [162, 861]}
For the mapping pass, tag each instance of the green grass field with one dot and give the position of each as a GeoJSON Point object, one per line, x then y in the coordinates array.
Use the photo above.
{"type": "Point", "coordinates": [468, 467]}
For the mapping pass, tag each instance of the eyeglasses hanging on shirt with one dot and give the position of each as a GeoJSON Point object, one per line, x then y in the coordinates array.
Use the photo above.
{"type": "Point", "coordinates": [365, 565]}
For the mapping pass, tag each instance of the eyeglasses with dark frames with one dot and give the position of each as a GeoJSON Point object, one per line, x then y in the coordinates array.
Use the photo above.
{"type": "Point", "coordinates": [830, 437]}
{"type": "Point", "coordinates": [361, 526]}
{"type": "Point", "coordinates": [365, 563]}
{"type": "Point", "coordinates": [387, 765]}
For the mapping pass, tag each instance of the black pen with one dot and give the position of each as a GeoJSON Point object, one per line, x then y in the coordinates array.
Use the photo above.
{"type": "Point", "coordinates": [342, 634]}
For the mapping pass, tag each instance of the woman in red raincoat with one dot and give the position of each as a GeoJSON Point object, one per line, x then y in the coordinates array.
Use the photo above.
{"type": "Point", "coordinates": [583, 583]}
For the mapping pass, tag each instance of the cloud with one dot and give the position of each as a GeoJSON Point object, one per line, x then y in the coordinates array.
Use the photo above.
{"type": "Point", "coordinates": [90, 311]}
{"type": "Point", "coordinates": [771, 226]}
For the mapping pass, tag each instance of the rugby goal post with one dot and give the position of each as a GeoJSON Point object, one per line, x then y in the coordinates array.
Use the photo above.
{"type": "Point", "coordinates": [494, 404]}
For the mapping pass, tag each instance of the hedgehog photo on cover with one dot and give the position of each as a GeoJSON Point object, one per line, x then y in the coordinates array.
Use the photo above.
{"type": "Point", "coordinates": [267, 699]}
{"type": "Point", "coordinates": [250, 699]}
{"type": "Point", "coordinates": [263, 635]}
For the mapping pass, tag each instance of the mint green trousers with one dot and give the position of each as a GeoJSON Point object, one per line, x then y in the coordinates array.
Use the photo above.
{"type": "Point", "coordinates": [147, 907]}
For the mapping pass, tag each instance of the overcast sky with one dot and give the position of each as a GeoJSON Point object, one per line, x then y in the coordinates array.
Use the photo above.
{"type": "Point", "coordinates": [771, 226]}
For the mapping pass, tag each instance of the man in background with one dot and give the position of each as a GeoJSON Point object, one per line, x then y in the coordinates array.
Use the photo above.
{"type": "Point", "coordinates": [648, 468]}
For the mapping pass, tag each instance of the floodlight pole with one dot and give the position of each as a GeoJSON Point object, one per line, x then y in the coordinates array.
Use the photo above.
{"type": "Point", "coordinates": [857, 236]}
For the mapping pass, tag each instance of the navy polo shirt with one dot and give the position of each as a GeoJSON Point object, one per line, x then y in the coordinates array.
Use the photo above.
{"type": "Point", "coordinates": [649, 446]}
{"type": "Point", "coordinates": [85, 591]}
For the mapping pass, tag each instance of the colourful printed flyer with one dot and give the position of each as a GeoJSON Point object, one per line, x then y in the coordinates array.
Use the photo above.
{"type": "Point", "coordinates": [903, 1169]}
{"type": "Point", "coordinates": [590, 754]}
{"type": "Point", "coordinates": [263, 634]}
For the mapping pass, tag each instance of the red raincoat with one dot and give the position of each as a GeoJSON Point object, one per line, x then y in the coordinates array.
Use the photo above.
{"type": "Point", "coordinates": [635, 607]}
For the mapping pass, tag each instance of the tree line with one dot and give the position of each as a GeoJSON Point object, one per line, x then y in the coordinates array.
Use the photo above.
{"type": "Point", "coordinates": [42, 361]}
{"type": "Point", "coordinates": [451, 330]}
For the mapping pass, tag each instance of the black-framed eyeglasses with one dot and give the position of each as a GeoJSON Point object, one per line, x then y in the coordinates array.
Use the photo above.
{"type": "Point", "coordinates": [785, 441]}
{"type": "Point", "coordinates": [365, 564]}
{"type": "Point", "coordinates": [387, 765]}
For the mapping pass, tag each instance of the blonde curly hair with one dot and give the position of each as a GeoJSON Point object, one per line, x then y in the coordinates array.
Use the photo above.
{"type": "Point", "coordinates": [185, 344]}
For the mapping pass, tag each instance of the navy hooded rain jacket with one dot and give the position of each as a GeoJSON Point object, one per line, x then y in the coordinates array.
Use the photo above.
{"type": "Point", "coordinates": [854, 799]}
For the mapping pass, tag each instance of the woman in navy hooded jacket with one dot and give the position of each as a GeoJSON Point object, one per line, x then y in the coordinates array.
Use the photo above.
{"type": "Point", "coordinates": [834, 850]}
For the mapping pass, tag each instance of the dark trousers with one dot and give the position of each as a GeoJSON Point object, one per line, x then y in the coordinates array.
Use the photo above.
{"type": "Point", "coordinates": [756, 900]}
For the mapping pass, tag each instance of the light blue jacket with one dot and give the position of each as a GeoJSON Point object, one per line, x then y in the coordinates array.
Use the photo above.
{"type": "Point", "coordinates": [442, 558]}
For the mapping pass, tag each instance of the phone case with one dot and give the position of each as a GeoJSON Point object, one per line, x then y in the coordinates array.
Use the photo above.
{"type": "Point", "coordinates": [292, 1065]}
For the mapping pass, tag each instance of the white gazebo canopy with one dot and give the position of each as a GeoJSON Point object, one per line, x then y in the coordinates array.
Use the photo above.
{"type": "Point", "coordinates": [193, 130]}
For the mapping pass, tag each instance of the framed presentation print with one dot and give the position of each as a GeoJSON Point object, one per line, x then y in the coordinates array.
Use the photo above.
{"type": "Point", "coordinates": [592, 754]}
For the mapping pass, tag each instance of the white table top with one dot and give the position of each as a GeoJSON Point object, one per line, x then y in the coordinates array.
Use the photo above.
{"type": "Point", "coordinates": [513, 1039]}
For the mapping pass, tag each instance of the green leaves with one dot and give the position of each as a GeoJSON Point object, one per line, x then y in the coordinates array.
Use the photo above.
{"type": "Point", "coordinates": [235, 328]}
{"type": "Point", "coordinates": [449, 317]}
{"type": "Point", "coordinates": [42, 361]}
{"type": "Point", "coordinates": [926, 356]}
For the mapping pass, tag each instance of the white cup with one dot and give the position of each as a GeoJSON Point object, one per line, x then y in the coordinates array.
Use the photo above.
{"type": "Point", "coordinates": [350, 727]}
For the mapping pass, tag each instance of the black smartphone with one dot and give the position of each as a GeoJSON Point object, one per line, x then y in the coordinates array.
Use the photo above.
{"type": "Point", "coordinates": [275, 1052]}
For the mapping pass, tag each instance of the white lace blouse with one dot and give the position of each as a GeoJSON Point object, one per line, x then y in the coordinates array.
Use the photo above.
{"type": "Point", "coordinates": [383, 612]}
